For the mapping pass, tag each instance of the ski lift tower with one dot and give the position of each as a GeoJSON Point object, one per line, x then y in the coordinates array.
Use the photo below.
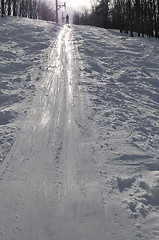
{"type": "Point", "coordinates": [58, 7]}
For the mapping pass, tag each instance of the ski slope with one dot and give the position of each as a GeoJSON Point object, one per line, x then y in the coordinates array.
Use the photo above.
{"type": "Point", "coordinates": [79, 133]}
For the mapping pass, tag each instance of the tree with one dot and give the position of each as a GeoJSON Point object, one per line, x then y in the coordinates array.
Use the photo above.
{"type": "Point", "coordinates": [101, 9]}
{"type": "Point", "coordinates": [2, 8]}
{"type": "Point", "coordinates": [76, 18]}
{"type": "Point", "coordinates": [141, 16]}
{"type": "Point", "coordinates": [30, 12]}
{"type": "Point", "coordinates": [9, 7]}
{"type": "Point", "coordinates": [46, 12]}
{"type": "Point", "coordinates": [14, 7]}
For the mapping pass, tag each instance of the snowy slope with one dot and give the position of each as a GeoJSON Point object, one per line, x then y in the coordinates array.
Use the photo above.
{"type": "Point", "coordinates": [23, 51]}
{"type": "Point", "coordinates": [79, 127]}
{"type": "Point", "coordinates": [121, 75]}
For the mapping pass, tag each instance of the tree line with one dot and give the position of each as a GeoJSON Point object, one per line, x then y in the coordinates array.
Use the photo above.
{"type": "Point", "coordinates": [28, 8]}
{"type": "Point", "coordinates": [129, 16]}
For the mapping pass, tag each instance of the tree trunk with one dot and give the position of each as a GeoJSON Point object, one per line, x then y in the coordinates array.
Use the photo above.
{"type": "Point", "coordinates": [14, 8]}
{"type": "Point", "coordinates": [2, 8]}
{"type": "Point", "coordinates": [9, 7]}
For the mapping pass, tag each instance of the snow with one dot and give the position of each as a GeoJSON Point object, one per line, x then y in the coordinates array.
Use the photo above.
{"type": "Point", "coordinates": [23, 51]}
{"type": "Point", "coordinates": [79, 133]}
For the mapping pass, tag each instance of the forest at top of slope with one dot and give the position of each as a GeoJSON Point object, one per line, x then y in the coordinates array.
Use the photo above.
{"type": "Point", "coordinates": [141, 16]}
{"type": "Point", "coordinates": [33, 9]}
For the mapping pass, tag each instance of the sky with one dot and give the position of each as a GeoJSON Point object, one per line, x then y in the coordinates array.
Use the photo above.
{"type": "Point", "coordinates": [76, 5]}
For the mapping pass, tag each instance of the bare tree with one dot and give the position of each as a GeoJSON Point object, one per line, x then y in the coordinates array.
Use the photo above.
{"type": "Point", "coordinates": [2, 8]}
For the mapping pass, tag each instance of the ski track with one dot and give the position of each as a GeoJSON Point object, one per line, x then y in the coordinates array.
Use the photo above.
{"type": "Point", "coordinates": [47, 199]}
{"type": "Point", "coordinates": [84, 164]}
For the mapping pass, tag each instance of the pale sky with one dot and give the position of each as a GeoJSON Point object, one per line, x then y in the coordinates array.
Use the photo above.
{"type": "Point", "coordinates": [76, 5]}
{"type": "Point", "coordinates": [73, 6]}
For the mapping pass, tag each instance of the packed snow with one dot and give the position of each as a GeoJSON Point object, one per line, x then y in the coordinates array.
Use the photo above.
{"type": "Point", "coordinates": [79, 133]}
{"type": "Point", "coordinates": [23, 51]}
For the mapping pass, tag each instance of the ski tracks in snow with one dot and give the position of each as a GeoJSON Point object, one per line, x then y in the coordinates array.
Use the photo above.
{"type": "Point", "coordinates": [47, 190]}
{"type": "Point", "coordinates": [85, 163]}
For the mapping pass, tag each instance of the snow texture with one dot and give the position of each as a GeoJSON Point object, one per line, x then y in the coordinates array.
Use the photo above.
{"type": "Point", "coordinates": [79, 133]}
